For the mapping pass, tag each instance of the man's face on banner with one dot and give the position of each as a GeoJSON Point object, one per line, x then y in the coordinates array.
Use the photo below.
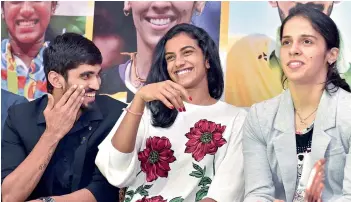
{"type": "Point", "coordinates": [285, 6]}
{"type": "Point", "coordinates": [27, 20]}
{"type": "Point", "coordinates": [152, 19]}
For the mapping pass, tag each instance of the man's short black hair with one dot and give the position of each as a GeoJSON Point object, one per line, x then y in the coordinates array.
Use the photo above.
{"type": "Point", "coordinates": [68, 51]}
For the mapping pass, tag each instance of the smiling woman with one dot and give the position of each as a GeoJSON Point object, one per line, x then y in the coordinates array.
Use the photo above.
{"type": "Point", "coordinates": [184, 134]}
{"type": "Point", "coordinates": [21, 69]}
{"type": "Point", "coordinates": [27, 21]}
{"type": "Point", "coordinates": [191, 61]}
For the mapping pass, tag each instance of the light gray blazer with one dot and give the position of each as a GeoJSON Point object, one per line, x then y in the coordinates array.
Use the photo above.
{"type": "Point", "coordinates": [269, 147]}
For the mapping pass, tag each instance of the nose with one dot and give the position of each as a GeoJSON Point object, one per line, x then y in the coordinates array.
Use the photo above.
{"type": "Point", "coordinates": [294, 50]}
{"type": "Point", "coordinates": [27, 9]}
{"type": "Point", "coordinates": [161, 6]}
{"type": "Point", "coordinates": [95, 83]}
{"type": "Point", "coordinates": [179, 61]}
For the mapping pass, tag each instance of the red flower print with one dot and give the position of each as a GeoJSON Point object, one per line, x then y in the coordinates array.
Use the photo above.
{"type": "Point", "coordinates": [156, 157]}
{"type": "Point", "coordinates": [152, 199]}
{"type": "Point", "coordinates": [205, 138]}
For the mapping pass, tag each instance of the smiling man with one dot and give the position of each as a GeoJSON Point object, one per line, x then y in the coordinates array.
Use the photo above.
{"type": "Point", "coordinates": [49, 145]}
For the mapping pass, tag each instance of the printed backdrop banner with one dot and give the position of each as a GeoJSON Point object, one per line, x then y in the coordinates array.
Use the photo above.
{"type": "Point", "coordinates": [24, 24]}
{"type": "Point", "coordinates": [245, 31]}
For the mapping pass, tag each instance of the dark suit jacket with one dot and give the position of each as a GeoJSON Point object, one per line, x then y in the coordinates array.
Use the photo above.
{"type": "Point", "coordinates": [25, 125]}
{"type": "Point", "coordinates": [7, 100]}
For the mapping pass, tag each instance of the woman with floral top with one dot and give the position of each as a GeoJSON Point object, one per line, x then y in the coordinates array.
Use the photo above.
{"type": "Point", "coordinates": [185, 145]}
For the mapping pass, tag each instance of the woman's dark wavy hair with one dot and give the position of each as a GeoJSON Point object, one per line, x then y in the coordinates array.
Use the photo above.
{"type": "Point", "coordinates": [162, 116]}
{"type": "Point", "coordinates": [325, 26]}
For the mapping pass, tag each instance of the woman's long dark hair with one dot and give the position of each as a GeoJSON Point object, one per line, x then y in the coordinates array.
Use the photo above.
{"type": "Point", "coordinates": [325, 26]}
{"type": "Point", "coordinates": [162, 116]}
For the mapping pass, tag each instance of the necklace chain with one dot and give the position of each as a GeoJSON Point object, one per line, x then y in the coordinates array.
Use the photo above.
{"type": "Point", "coordinates": [303, 120]}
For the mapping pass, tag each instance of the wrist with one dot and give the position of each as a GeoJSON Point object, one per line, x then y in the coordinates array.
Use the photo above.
{"type": "Point", "coordinates": [136, 107]}
{"type": "Point", "coordinates": [138, 97]}
{"type": "Point", "coordinates": [51, 138]}
{"type": "Point", "coordinates": [138, 101]}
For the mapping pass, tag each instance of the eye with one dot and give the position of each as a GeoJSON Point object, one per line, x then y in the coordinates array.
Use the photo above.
{"type": "Point", "coordinates": [85, 76]}
{"type": "Point", "coordinates": [188, 52]}
{"type": "Point", "coordinates": [285, 42]}
{"type": "Point", "coordinates": [169, 57]}
{"type": "Point", "coordinates": [307, 41]}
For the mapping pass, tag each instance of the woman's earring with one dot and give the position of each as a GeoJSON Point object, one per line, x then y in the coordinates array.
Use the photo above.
{"type": "Point", "coordinates": [126, 13]}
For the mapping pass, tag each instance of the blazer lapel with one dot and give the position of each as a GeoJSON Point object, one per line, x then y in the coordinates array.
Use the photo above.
{"type": "Point", "coordinates": [285, 144]}
{"type": "Point", "coordinates": [325, 119]}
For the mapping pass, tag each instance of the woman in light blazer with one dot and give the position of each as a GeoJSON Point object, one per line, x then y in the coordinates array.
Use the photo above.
{"type": "Point", "coordinates": [284, 137]}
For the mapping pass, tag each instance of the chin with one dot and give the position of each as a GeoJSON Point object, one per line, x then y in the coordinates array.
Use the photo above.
{"type": "Point", "coordinates": [296, 76]}
{"type": "Point", "coordinates": [152, 40]}
{"type": "Point", "coordinates": [27, 38]}
{"type": "Point", "coordinates": [86, 106]}
{"type": "Point", "coordinates": [186, 84]}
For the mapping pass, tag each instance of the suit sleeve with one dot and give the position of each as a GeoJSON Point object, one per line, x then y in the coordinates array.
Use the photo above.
{"type": "Point", "coordinates": [258, 177]}
{"type": "Point", "coordinates": [346, 191]}
{"type": "Point", "coordinates": [12, 148]}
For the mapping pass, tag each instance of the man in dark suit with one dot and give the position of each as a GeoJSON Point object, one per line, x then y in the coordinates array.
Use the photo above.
{"type": "Point", "coordinates": [7, 100]}
{"type": "Point", "coordinates": [49, 145]}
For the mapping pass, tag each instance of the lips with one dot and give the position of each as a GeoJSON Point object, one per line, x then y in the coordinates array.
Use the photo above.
{"type": "Point", "coordinates": [295, 64]}
{"type": "Point", "coordinates": [183, 71]}
{"type": "Point", "coordinates": [27, 23]}
{"type": "Point", "coordinates": [89, 94]}
{"type": "Point", "coordinates": [160, 22]}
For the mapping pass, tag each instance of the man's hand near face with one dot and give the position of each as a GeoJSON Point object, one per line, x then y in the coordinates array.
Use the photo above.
{"type": "Point", "coordinates": [60, 118]}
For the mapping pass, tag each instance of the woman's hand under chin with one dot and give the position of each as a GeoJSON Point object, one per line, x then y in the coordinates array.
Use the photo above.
{"type": "Point", "coordinates": [168, 92]}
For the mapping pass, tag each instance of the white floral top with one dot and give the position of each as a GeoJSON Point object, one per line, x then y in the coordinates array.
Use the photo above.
{"type": "Point", "coordinates": [199, 156]}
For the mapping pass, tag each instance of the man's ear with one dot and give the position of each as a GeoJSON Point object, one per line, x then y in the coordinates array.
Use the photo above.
{"type": "Point", "coordinates": [56, 80]}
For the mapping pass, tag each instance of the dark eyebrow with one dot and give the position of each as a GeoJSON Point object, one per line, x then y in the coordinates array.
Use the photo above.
{"type": "Point", "coordinates": [303, 35]}
{"type": "Point", "coordinates": [286, 37]}
{"type": "Point", "coordinates": [307, 35]}
{"type": "Point", "coordinates": [86, 73]}
{"type": "Point", "coordinates": [185, 47]}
